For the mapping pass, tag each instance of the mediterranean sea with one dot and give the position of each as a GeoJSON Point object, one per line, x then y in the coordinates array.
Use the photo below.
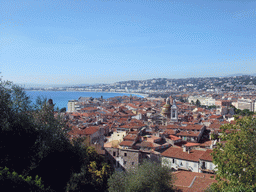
{"type": "Point", "coordinates": [61, 98]}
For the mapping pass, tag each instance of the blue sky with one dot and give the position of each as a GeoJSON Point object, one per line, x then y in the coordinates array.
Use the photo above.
{"type": "Point", "coordinates": [105, 41]}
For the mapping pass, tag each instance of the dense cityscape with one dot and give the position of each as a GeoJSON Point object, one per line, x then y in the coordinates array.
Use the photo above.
{"type": "Point", "coordinates": [164, 85]}
{"type": "Point", "coordinates": [128, 96]}
{"type": "Point", "coordinates": [180, 130]}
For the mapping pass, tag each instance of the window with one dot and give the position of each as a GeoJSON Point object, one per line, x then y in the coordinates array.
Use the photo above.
{"type": "Point", "coordinates": [132, 163]}
{"type": "Point", "coordinates": [125, 154]}
{"type": "Point", "coordinates": [173, 160]}
{"type": "Point", "coordinates": [181, 163]}
{"type": "Point", "coordinates": [203, 165]}
{"type": "Point", "coordinates": [124, 162]}
{"type": "Point", "coordinates": [114, 153]}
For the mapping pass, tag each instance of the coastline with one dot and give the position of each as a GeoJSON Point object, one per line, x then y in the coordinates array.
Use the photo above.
{"type": "Point", "coordinates": [132, 93]}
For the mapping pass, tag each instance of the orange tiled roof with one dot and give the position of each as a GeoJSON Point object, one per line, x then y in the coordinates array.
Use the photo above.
{"type": "Point", "coordinates": [175, 152]}
{"type": "Point", "coordinates": [191, 127]}
{"type": "Point", "coordinates": [188, 133]}
{"type": "Point", "coordinates": [174, 138]}
{"type": "Point", "coordinates": [188, 144]}
{"type": "Point", "coordinates": [90, 130]}
{"type": "Point", "coordinates": [207, 155]}
{"type": "Point", "coordinates": [126, 143]}
{"type": "Point", "coordinates": [192, 182]}
{"type": "Point", "coordinates": [130, 137]}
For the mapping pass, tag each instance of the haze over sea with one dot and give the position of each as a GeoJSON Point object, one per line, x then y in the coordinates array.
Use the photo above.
{"type": "Point", "coordinates": [60, 98]}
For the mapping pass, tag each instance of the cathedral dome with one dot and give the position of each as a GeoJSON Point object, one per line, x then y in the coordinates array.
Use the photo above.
{"type": "Point", "coordinates": [166, 109]}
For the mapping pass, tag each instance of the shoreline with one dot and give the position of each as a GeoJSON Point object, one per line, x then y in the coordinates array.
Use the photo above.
{"type": "Point", "coordinates": [144, 95]}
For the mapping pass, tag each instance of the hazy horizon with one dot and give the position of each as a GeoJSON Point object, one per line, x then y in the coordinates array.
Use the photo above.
{"type": "Point", "coordinates": [94, 42]}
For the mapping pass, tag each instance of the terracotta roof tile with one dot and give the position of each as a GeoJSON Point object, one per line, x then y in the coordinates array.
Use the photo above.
{"type": "Point", "coordinates": [207, 155]}
{"type": "Point", "coordinates": [175, 152]}
{"type": "Point", "coordinates": [126, 143]}
{"type": "Point", "coordinates": [192, 182]}
{"type": "Point", "coordinates": [90, 130]}
{"type": "Point", "coordinates": [130, 137]}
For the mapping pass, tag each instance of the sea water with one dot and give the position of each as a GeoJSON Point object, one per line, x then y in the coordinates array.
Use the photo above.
{"type": "Point", "coordinates": [61, 98]}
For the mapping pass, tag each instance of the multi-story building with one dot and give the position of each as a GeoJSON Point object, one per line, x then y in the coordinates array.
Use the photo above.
{"type": "Point", "coordinates": [73, 106]}
{"type": "Point", "coordinates": [194, 160]}
{"type": "Point", "coordinates": [246, 104]}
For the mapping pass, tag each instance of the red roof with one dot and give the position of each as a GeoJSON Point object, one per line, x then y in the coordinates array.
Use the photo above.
{"type": "Point", "coordinates": [126, 143]}
{"type": "Point", "coordinates": [207, 155]}
{"type": "Point", "coordinates": [191, 127]}
{"type": "Point", "coordinates": [188, 144]}
{"type": "Point", "coordinates": [188, 133]}
{"type": "Point", "coordinates": [192, 182]}
{"type": "Point", "coordinates": [174, 138]}
{"type": "Point", "coordinates": [177, 153]}
{"type": "Point", "coordinates": [90, 130]}
{"type": "Point", "coordinates": [130, 137]}
{"type": "Point", "coordinates": [170, 132]}
{"type": "Point", "coordinates": [145, 144]}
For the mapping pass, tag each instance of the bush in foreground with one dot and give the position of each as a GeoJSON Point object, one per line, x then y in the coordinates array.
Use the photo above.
{"type": "Point", "coordinates": [149, 177]}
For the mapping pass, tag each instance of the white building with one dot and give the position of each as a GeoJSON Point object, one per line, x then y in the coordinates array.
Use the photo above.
{"type": "Point", "coordinates": [207, 101]}
{"type": "Point", "coordinates": [73, 106]}
{"type": "Point", "coordinates": [246, 104]}
{"type": "Point", "coordinates": [199, 161]}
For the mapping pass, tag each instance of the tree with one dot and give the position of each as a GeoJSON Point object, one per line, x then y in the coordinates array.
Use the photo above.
{"type": "Point", "coordinates": [181, 99]}
{"type": "Point", "coordinates": [212, 107]}
{"type": "Point", "coordinates": [63, 109]}
{"type": "Point", "coordinates": [34, 141]}
{"type": "Point", "coordinates": [214, 136]}
{"type": "Point", "coordinates": [14, 182]}
{"type": "Point", "coordinates": [236, 157]}
{"type": "Point", "coordinates": [17, 129]}
{"type": "Point", "coordinates": [244, 112]}
{"type": "Point", "coordinates": [198, 103]}
{"type": "Point", "coordinates": [149, 176]}
{"type": "Point", "coordinates": [93, 174]}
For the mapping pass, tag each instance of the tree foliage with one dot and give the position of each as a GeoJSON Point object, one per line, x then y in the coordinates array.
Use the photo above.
{"type": "Point", "coordinates": [63, 109]}
{"type": "Point", "coordinates": [16, 183]}
{"type": "Point", "coordinates": [244, 112]}
{"type": "Point", "coordinates": [235, 157]}
{"type": "Point", "coordinates": [34, 141]}
{"type": "Point", "coordinates": [93, 174]}
{"type": "Point", "coordinates": [149, 176]}
{"type": "Point", "coordinates": [198, 103]}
